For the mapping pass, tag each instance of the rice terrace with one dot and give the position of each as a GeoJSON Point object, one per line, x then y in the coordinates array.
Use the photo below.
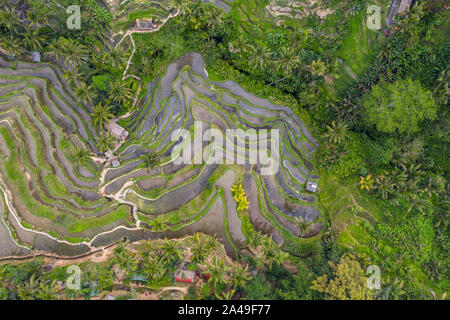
{"type": "Point", "coordinates": [182, 149]}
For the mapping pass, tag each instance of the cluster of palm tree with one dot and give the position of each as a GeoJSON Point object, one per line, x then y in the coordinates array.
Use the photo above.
{"type": "Point", "coordinates": [29, 282]}
{"type": "Point", "coordinates": [225, 279]}
{"type": "Point", "coordinates": [201, 247]}
{"type": "Point", "coordinates": [21, 33]}
{"type": "Point", "coordinates": [265, 251]}
{"type": "Point", "coordinates": [409, 182]}
{"type": "Point", "coordinates": [155, 260]}
{"type": "Point", "coordinates": [100, 116]}
{"type": "Point", "coordinates": [70, 51]}
{"type": "Point", "coordinates": [34, 289]}
{"type": "Point", "coordinates": [287, 62]}
{"type": "Point", "coordinates": [124, 257]}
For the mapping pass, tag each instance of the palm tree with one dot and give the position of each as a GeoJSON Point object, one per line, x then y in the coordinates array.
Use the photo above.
{"type": "Point", "coordinates": [226, 295]}
{"type": "Point", "coordinates": [159, 224]}
{"type": "Point", "coordinates": [57, 47]}
{"type": "Point", "coordinates": [259, 56]}
{"type": "Point", "coordinates": [154, 268]}
{"type": "Point", "coordinates": [119, 93]}
{"type": "Point", "coordinates": [11, 45]}
{"type": "Point", "coordinates": [254, 239]}
{"type": "Point", "coordinates": [240, 45]}
{"type": "Point", "coordinates": [101, 115]}
{"type": "Point", "coordinates": [303, 225]}
{"type": "Point", "coordinates": [69, 50]}
{"type": "Point", "coordinates": [85, 93]}
{"type": "Point", "coordinates": [32, 39]}
{"type": "Point", "coordinates": [100, 61]}
{"type": "Point", "coordinates": [217, 270]}
{"type": "Point", "coordinates": [75, 52]}
{"type": "Point", "coordinates": [148, 250]}
{"type": "Point", "coordinates": [124, 257]}
{"type": "Point", "coordinates": [415, 172]}
{"type": "Point", "coordinates": [336, 133]}
{"type": "Point", "coordinates": [435, 185]}
{"type": "Point", "coordinates": [38, 18]}
{"type": "Point", "coordinates": [116, 58]}
{"type": "Point", "coordinates": [48, 291]}
{"type": "Point", "coordinates": [240, 276]}
{"type": "Point", "coordinates": [272, 253]}
{"type": "Point", "coordinates": [105, 141]}
{"type": "Point", "coordinates": [171, 252]}
{"type": "Point", "coordinates": [288, 62]}
{"type": "Point", "coordinates": [398, 178]}
{"type": "Point", "coordinates": [198, 249]}
{"type": "Point", "coordinates": [150, 159]}
{"type": "Point", "coordinates": [416, 201]}
{"type": "Point", "coordinates": [81, 155]}
{"type": "Point", "coordinates": [211, 243]}
{"type": "Point", "coordinates": [10, 20]}
{"type": "Point", "coordinates": [72, 77]}
{"type": "Point", "coordinates": [384, 186]}
{"type": "Point", "coordinates": [29, 289]}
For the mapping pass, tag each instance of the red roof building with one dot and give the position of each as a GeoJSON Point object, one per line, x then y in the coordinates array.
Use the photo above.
{"type": "Point", "coordinates": [185, 276]}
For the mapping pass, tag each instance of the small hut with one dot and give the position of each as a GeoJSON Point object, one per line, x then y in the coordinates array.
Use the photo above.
{"type": "Point", "coordinates": [36, 56]}
{"type": "Point", "coordinates": [116, 131]}
{"type": "Point", "coordinates": [311, 186]}
{"type": "Point", "coordinates": [144, 24]}
{"type": "Point", "coordinates": [185, 276]}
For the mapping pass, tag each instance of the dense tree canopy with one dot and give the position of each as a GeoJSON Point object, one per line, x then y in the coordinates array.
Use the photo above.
{"type": "Point", "coordinates": [348, 283]}
{"type": "Point", "coordinates": [399, 106]}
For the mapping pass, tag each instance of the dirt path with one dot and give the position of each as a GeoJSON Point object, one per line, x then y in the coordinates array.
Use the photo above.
{"type": "Point", "coordinates": [184, 290]}
{"type": "Point", "coordinates": [130, 34]}
{"type": "Point", "coordinates": [96, 257]}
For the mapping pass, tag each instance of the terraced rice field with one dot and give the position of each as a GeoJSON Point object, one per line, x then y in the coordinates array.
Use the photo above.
{"type": "Point", "coordinates": [50, 204]}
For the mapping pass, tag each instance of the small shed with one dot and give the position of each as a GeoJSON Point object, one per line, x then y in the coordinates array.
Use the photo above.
{"type": "Point", "coordinates": [311, 186]}
{"type": "Point", "coordinates": [144, 24]}
{"type": "Point", "coordinates": [139, 278]}
{"type": "Point", "coordinates": [115, 163]}
{"type": "Point", "coordinates": [36, 56]}
{"type": "Point", "coordinates": [185, 276]}
{"type": "Point", "coordinates": [116, 131]}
